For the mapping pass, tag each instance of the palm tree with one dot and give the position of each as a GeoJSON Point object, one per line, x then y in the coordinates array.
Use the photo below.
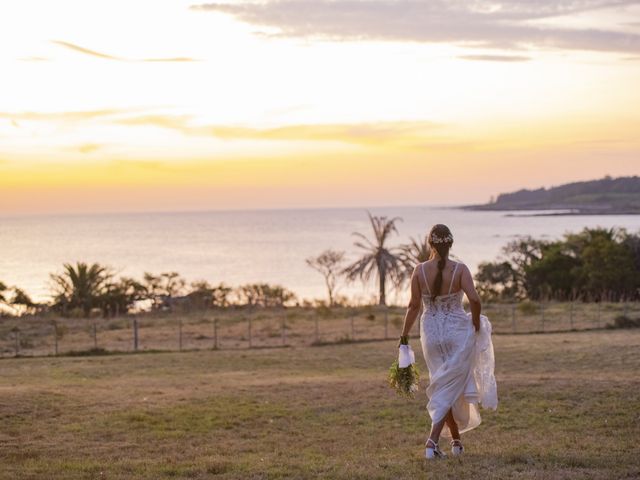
{"type": "Point", "coordinates": [3, 299]}
{"type": "Point", "coordinates": [328, 264]}
{"type": "Point", "coordinates": [377, 258]}
{"type": "Point", "coordinates": [80, 286]}
{"type": "Point", "coordinates": [20, 297]}
{"type": "Point", "coordinates": [413, 253]}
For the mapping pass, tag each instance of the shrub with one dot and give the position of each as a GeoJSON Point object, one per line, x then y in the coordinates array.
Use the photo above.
{"type": "Point", "coordinates": [622, 321]}
{"type": "Point", "coordinates": [528, 307]}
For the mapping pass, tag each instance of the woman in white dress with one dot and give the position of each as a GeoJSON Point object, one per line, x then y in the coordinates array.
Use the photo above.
{"type": "Point", "coordinates": [457, 346]}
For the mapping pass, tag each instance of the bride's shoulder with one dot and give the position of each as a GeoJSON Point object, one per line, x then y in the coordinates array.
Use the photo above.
{"type": "Point", "coordinates": [461, 265]}
{"type": "Point", "coordinates": [463, 269]}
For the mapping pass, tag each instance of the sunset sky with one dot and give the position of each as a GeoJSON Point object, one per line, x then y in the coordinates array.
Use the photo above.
{"type": "Point", "coordinates": [178, 105]}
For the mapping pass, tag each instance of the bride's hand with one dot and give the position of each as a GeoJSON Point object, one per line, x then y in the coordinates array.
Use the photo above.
{"type": "Point", "coordinates": [476, 325]}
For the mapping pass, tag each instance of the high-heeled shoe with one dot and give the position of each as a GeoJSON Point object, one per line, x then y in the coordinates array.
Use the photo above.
{"type": "Point", "coordinates": [456, 447]}
{"type": "Point", "coordinates": [433, 451]}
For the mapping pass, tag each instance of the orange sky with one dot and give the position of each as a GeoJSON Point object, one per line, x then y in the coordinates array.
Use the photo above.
{"type": "Point", "coordinates": [206, 106]}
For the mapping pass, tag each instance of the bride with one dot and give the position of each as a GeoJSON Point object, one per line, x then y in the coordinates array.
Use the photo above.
{"type": "Point", "coordinates": [456, 345]}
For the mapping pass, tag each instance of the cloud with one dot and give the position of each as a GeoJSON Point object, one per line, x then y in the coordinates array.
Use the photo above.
{"type": "Point", "coordinates": [34, 59]}
{"type": "Point", "coordinates": [409, 133]}
{"type": "Point", "coordinates": [105, 56]}
{"type": "Point", "coordinates": [88, 147]}
{"type": "Point", "coordinates": [71, 116]}
{"type": "Point", "coordinates": [505, 24]}
{"type": "Point", "coordinates": [140, 164]}
{"type": "Point", "coordinates": [495, 58]}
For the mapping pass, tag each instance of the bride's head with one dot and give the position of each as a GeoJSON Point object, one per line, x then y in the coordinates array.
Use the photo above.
{"type": "Point", "coordinates": [440, 240]}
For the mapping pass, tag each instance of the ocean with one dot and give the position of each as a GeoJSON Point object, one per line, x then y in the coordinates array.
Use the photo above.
{"type": "Point", "coordinates": [242, 246]}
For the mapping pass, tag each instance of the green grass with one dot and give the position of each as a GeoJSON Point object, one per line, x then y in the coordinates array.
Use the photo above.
{"type": "Point", "coordinates": [569, 408]}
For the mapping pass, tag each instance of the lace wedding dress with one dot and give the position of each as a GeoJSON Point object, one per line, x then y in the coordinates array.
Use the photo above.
{"type": "Point", "coordinates": [460, 361]}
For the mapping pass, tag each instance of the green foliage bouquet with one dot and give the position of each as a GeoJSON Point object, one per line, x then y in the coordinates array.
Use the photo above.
{"type": "Point", "coordinates": [404, 376]}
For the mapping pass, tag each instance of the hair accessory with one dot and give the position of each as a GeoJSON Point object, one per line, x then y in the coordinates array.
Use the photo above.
{"type": "Point", "coordinates": [436, 239]}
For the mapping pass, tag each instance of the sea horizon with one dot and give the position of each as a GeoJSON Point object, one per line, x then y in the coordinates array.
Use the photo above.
{"type": "Point", "coordinates": [220, 210]}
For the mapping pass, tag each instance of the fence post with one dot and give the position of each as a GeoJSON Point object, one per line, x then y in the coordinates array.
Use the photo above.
{"type": "Point", "coordinates": [249, 325]}
{"type": "Point", "coordinates": [571, 315]}
{"type": "Point", "coordinates": [626, 309]}
{"type": "Point", "coordinates": [55, 337]}
{"type": "Point", "coordinates": [135, 334]}
{"type": "Point", "coordinates": [317, 329]}
{"type": "Point", "coordinates": [215, 333]}
{"type": "Point", "coordinates": [542, 309]}
{"type": "Point", "coordinates": [16, 333]}
{"type": "Point", "coordinates": [180, 334]}
{"type": "Point", "coordinates": [95, 336]}
{"type": "Point", "coordinates": [513, 318]}
{"type": "Point", "coordinates": [353, 330]}
{"type": "Point", "coordinates": [598, 314]}
{"type": "Point", "coordinates": [283, 331]}
{"type": "Point", "coordinates": [386, 322]}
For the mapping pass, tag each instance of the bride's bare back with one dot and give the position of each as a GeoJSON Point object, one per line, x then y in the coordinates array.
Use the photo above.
{"type": "Point", "coordinates": [431, 271]}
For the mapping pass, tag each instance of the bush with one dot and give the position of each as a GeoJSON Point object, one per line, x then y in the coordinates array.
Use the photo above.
{"type": "Point", "coordinates": [622, 321]}
{"type": "Point", "coordinates": [528, 307]}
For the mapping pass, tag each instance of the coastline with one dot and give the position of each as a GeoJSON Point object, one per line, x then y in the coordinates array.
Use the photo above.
{"type": "Point", "coordinates": [548, 211]}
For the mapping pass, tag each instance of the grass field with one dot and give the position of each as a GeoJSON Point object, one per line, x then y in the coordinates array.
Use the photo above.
{"type": "Point", "coordinates": [569, 409]}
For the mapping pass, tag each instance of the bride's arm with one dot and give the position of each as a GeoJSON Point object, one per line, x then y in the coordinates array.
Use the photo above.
{"type": "Point", "coordinates": [413, 309]}
{"type": "Point", "coordinates": [466, 281]}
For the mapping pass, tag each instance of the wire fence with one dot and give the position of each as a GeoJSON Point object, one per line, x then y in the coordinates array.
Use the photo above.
{"type": "Point", "coordinates": [237, 328]}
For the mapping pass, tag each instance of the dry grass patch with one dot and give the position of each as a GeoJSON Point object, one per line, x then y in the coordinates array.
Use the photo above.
{"type": "Point", "coordinates": [317, 412]}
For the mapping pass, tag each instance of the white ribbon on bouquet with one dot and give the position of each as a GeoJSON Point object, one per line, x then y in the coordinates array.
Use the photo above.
{"type": "Point", "coordinates": [406, 356]}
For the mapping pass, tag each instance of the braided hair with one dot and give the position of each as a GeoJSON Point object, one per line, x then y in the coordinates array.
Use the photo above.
{"type": "Point", "coordinates": [440, 240]}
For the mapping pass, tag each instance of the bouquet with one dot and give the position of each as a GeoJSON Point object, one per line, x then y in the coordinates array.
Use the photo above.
{"type": "Point", "coordinates": [404, 375]}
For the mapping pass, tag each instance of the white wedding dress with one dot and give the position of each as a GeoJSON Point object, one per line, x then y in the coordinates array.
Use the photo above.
{"type": "Point", "coordinates": [460, 361]}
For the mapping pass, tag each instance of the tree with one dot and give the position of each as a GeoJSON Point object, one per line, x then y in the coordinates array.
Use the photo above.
{"type": "Point", "coordinates": [378, 258]}
{"type": "Point", "coordinates": [328, 264]}
{"type": "Point", "coordinates": [264, 295]}
{"type": "Point", "coordinates": [496, 281]}
{"type": "Point", "coordinates": [555, 273]}
{"type": "Point", "coordinates": [161, 289]}
{"type": "Point", "coordinates": [153, 289]}
{"type": "Point", "coordinates": [412, 254]}
{"type": "Point", "coordinates": [207, 296]}
{"type": "Point", "coordinates": [3, 298]}
{"type": "Point", "coordinates": [595, 263]}
{"type": "Point", "coordinates": [120, 297]}
{"type": "Point", "coordinates": [3, 289]}
{"type": "Point", "coordinates": [521, 254]}
{"type": "Point", "coordinates": [606, 262]}
{"type": "Point", "coordinates": [20, 297]}
{"type": "Point", "coordinates": [221, 295]}
{"type": "Point", "coordinates": [172, 283]}
{"type": "Point", "coordinates": [80, 286]}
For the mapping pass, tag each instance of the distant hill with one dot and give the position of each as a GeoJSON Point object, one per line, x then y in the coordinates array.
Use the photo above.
{"type": "Point", "coordinates": [605, 196]}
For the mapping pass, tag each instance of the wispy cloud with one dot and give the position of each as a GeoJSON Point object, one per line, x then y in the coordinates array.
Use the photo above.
{"type": "Point", "coordinates": [70, 116]}
{"type": "Point", "coordinates": [495, 58]}
{"type": "Point", "coordinates": [140, 164]}
{"type": "Point", "coordinates": [88, 147]}
{"type": "Point", "coordinates": [397, 133]}
{"type": "Point", "coordinates": [505, 24]}
{"type": "Point", "coordinates": [105, 56]}
{"type": "Point", "coordinates": [34, 59]}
